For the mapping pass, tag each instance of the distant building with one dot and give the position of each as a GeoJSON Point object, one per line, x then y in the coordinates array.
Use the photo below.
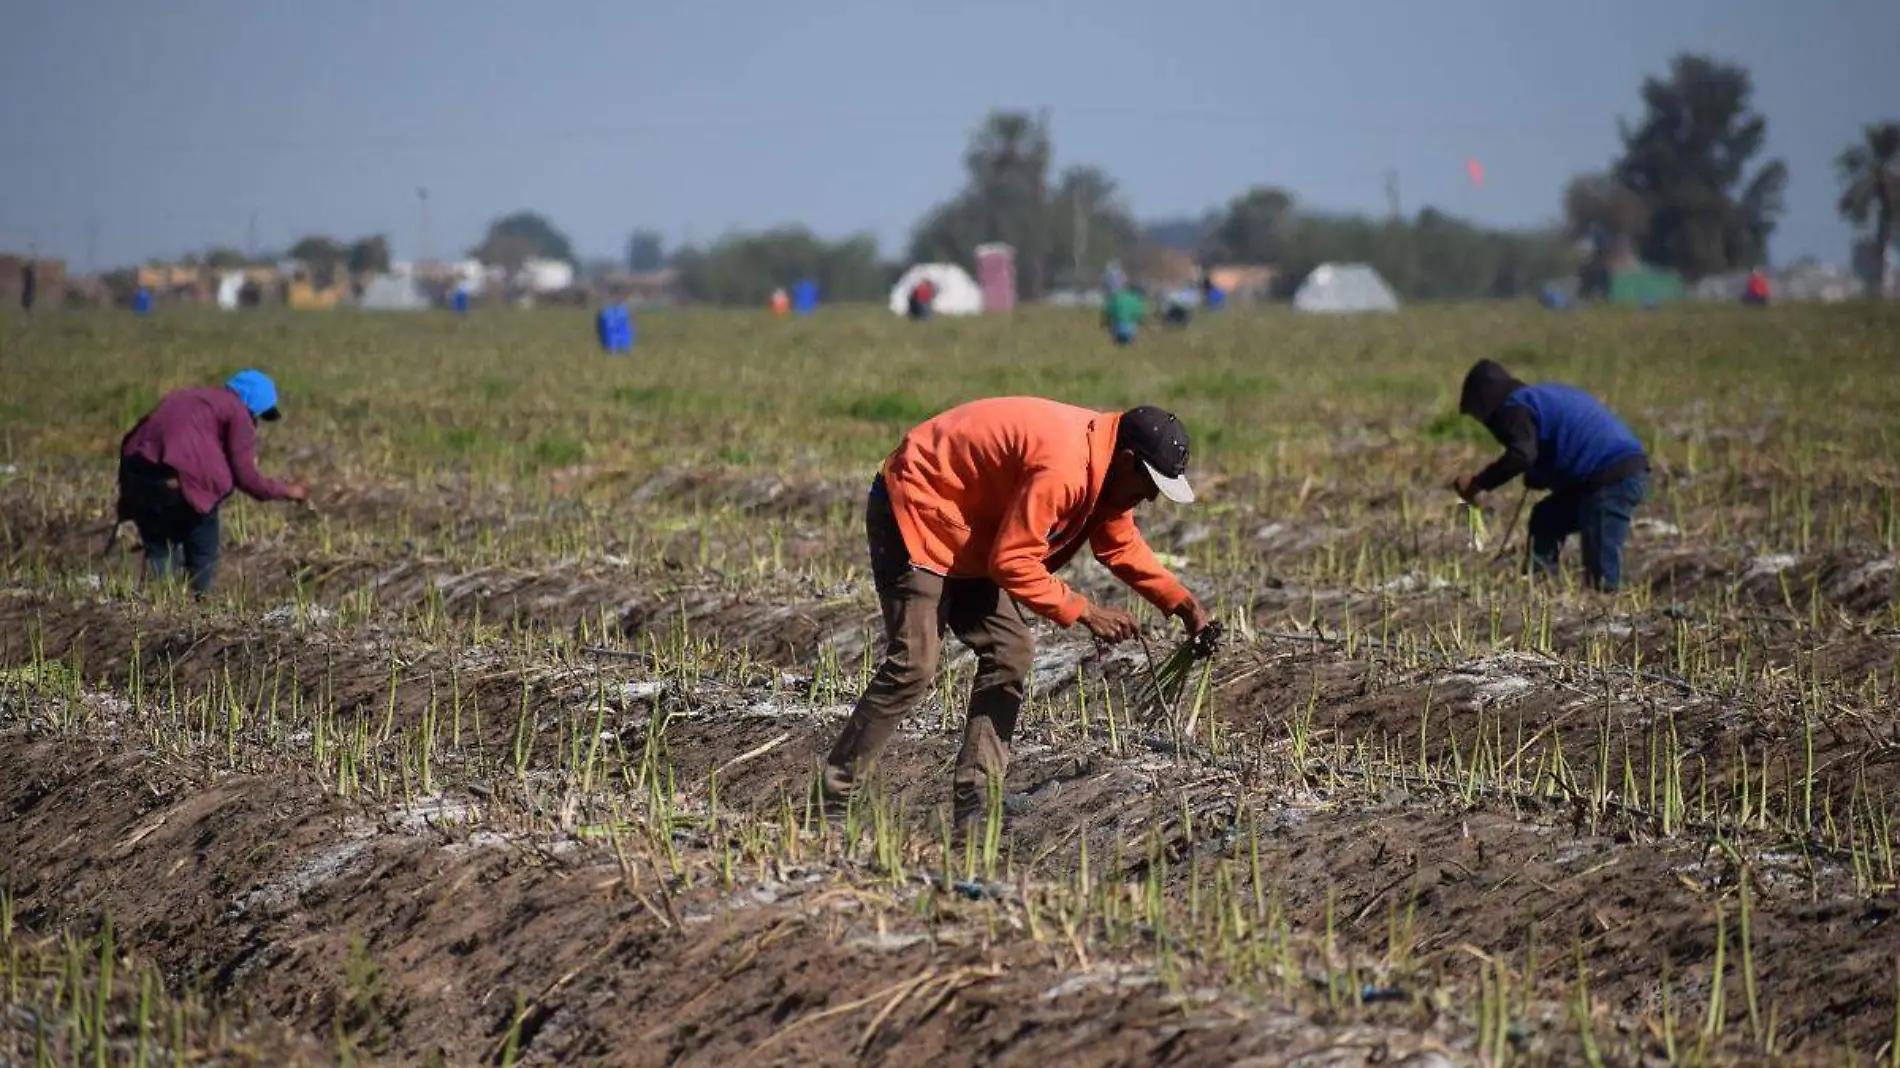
{"type": "Point", "coordinates": [545, 276]}
{"type": "Point", "coordinates": [643, 289]}
{"type": "Point", "coordinates": [49, 281]}
{"type": "Point", "coordinates": [1245, 281]}
{"type": "Point", "coordinates": [1160, 270]}
{"type": "Point", "coordinates": [1867, 268]}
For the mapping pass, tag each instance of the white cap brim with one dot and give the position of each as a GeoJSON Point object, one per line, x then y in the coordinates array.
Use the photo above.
{"type": "Point", "coordinates": [1174, 489]}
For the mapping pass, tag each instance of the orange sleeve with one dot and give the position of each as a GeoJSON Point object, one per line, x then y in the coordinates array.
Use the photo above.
{"type": "Point", "coordinates": [1018, 557]}
{"type": "Point", "coordinates": [1118, 544]}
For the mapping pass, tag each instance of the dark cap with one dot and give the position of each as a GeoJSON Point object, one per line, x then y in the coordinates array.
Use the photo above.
{"type": "Point", "coordinates": [1159, 441]}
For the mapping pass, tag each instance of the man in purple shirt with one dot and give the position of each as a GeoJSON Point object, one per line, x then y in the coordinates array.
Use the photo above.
{"type": "Point", "coordinates": [183, 459]}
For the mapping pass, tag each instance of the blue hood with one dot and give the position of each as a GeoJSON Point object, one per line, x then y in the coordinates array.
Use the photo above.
{"type": "Point", "coordinates": [257, 391]}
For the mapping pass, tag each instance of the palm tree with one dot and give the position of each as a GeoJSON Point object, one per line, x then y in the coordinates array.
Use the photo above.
{"type": "Point", "coordinates": [1870, 189]}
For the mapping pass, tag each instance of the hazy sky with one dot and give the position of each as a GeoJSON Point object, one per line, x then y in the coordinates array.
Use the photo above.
{"type": "Point", "coordinates": [161, 127]}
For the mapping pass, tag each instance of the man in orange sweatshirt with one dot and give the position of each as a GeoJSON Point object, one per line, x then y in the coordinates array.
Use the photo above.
{"type": "Point", "coordinates": [971, 517]}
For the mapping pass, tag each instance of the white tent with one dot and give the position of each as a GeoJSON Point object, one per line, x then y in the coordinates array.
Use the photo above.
{"type": "Point", "coordinates": [545, 276]}
{"type": "Point", "coordinates": [230, 289]}
{"type": "Point", "coordinates": [957, 292]}
{"type": "Point", "coordinates": [1345, 287]}
{"type": "Point", "coordinates": [389, 292]}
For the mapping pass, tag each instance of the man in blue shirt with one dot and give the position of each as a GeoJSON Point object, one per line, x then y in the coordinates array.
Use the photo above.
{"type": "Point", "coordinates": [1563, 440]}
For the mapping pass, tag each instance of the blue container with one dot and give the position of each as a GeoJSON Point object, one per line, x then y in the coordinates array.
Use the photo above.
{"type": "Point", "coordinates": [614, 327]}
{"type": "Point", "coordinates": [805, 297]}
{"type": "Point", "coordinates": [142, 302]}
{"type": "Point", "coordinates": [458, 301]}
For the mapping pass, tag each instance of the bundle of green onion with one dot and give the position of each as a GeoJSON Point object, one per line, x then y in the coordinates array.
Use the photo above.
{"type": "Point", "coordinates": [1166, 680]}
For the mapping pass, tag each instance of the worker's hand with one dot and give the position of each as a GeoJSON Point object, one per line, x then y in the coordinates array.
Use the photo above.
{"type": "Point", "coordinates": [1465, 489]}
{"type": "Point", "coordinates": [1109, 624]}
{"type": "Point", "coordinates": [296, 492]}
{"type": "Point", "coordinates": [1192, 615]}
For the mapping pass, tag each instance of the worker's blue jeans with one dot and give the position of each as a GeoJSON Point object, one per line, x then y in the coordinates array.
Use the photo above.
{"type": "Point", "coordinates": [173, 534]}
{"type": "Point", "coordinates": [193, 547]}
{"type": "Point", "coordinates": [1600, 515]}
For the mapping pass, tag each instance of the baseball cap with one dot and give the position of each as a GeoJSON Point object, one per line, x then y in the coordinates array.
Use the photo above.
{"type": "Point", "coordinates": [257, 391]}
{"type": "Point", "coordinates": [1160, 442]}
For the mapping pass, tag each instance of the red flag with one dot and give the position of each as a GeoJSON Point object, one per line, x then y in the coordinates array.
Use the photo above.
{"type": "Point", "coordinates": [1476, 171]}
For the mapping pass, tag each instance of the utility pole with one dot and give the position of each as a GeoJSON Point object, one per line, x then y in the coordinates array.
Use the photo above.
{"type": "Point", "coordinates": [1079, 238]}
{"type": "Point", "coordinates": [422, 196]}
{"type": "Point", "coordinates": [1392, 193]}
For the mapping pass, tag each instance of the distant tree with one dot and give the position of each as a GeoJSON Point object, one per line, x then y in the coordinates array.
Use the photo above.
{"type": "Point", "coordinates": [223, 258]}
{"type": "Point", "coordinates": [1255, 228]}
{"type": "Point", "coordinates": [745, 268]}
{"type": "Point", "coordinates": [1089, 225]}
{"type": "Point", "coordinates": [1606, 214]}
{"type": "Point", "coordinates": [1432, 256]}
{"type": "Point", "coordinates": [369, 255]}
{"type": "Point", "coordinates": [1610, 219]}
{"type": "Point", "coordinates": [1006, 197]}
{"type": "Point", "coordinates": [1185, 235]}
{"type": "Point", "coordinates": [323, 256]}
{"type": "Point", "coordinates": [950, 232]}
{"type": "Point", "coordinates": [646, 251]}
{"type": "Point", "coordinates": [1688, 161]}
{"type": "Point", "coordinates": [1869, 171]}
{"type": "Point", "coordinates": [514, 239]}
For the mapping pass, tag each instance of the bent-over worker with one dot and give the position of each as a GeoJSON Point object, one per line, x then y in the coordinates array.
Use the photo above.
{"type": "Point", "coordinates": [179, 463]}
{"type": "Point", "coordinates": [1564, 440]}
{"type": "Point", "coordinates": [971, 516]}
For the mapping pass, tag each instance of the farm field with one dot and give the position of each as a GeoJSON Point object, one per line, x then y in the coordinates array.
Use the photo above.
{"type": "Point", "coordinates": [503, 750]}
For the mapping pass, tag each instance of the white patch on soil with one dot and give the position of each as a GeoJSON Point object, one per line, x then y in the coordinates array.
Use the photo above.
{"type": "Point", "coordinates": [1412, 581]}
{"type": "Point", "coordinates": [1856, 581]}
{"type": "Point", "coordinates": [431, 812]}
{"type": "Point", "coordinates": [1055, 662]}
{"type": "Point", "coordinates": [1772, 564]}
{"type": "Point", "coordinates": [274, 898]}
{"type": "Point", "coordinates": [1494, 679]}
{"type": "Point", "coordinates": [478, 840]}
{"type": "Point", "coordinates": [295, 615]}
{"type": "Point", "coordinates": [1107, 979]}
{"type": "Point", "coordinates": [640, 691]}
{"type": "Point", "coordinates": [1655, 528]}
{"type": "Point", "coordinates": [885, 942]}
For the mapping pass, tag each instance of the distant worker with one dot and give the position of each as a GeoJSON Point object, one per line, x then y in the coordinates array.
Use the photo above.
{"type": "Point", "coordinates": [1123, 314]}
{"type": "Point", "coordinates": [1213, 297]}
{"type": "Point", "coordinates": [781, 302]}
{"type": "Point", "coordinates": [29, 286]}
{"type": "Point", "coordinates": [1564, 440]}
{"type": "Point", "coordinates": [923, 296]}
{"type": "Point", "coordinates": [1756, 292]}
{"type": "Point", "coordinates": [1175, 311]}
{"type": "Point", "coordinates": [966, 523]}
{"type": "Point", "coordinates": [179, 463]}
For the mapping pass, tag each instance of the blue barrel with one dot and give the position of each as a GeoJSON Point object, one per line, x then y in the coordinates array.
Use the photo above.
{"type": "Point", "coordinates": [805, 296]}
{"type": "Point", "coordinates": [614, 327]}
{"type": "Point", "coordinates": [142, 302]}
{"type": "Point", "coordinates": [458, 301]}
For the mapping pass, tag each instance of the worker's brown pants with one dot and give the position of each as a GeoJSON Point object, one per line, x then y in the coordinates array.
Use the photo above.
{"type": "Point", "coordinates": [918, 606]}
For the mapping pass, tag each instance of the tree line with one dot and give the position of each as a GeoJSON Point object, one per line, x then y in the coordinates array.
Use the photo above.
{"type": "Point", "coordinates": [1688, 191]}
